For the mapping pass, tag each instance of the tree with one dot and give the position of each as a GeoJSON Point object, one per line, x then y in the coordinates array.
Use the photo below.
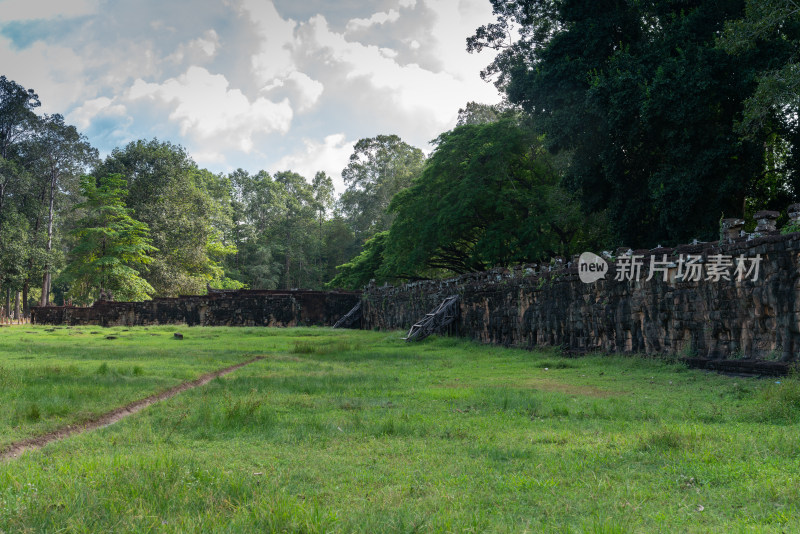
{"type": "Point", "coordinates": [16, 117]}
{"type": "Point", "coordinates": [366, 266]}
{"type": "Point", "coordinates": [60, 153]}
{"type": "Point", "coordinates": [476, 113]}
{"type": "Point", "coordinates": [774, 24]}
{"type": "Point", "coordinates": [643, 102]}
{"type": "Point", "coordinates": [187, 209]}
{"type": "Point", "coordinates": [296, 226]}
{"type": "Point", "coordinates": [771, 29]}
{"type": "Point", "coordinates": [488, 196]}
{"type": "Point", "coordinates": [322, 187]}
{"type": "Point", "coordinates": [111, 248]}
{"type": "Point", "coordinates": [379, 167]}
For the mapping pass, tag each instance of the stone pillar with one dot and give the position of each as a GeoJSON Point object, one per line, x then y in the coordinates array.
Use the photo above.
{"type": "Point", "coordinates": [731, 228]}
{"type": "Point", "coordinates": [766, 221]}
{"type": "Point", "coordinates": [794, 212]}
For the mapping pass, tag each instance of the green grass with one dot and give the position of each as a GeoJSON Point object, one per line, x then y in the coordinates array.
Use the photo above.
{"type": "Point", "coordinates": [343, 431]}
{"type": "Point", "coordinates": [51, 377]}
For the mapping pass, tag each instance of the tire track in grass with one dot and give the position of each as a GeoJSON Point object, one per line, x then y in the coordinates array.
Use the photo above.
{"type": "Point", "coordinates": [13, 450]}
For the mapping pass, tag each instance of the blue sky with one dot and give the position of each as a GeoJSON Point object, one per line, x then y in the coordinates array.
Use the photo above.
{"type": "Point", "coordinates": [257, 84]}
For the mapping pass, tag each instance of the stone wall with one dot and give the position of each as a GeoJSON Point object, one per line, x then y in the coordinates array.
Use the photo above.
{"type": "Point", "coordinates": [549, 305]}
{"type": "Point", "coordinates": [224, 308]}
{"type": "Point", "coordinates": [542, 305]}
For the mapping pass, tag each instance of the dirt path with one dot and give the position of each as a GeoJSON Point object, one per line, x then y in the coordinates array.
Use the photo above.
{"type": "Point", "coordinates": [15, 449]}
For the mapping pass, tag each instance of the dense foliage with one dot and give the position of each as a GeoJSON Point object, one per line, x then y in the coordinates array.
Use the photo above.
{"type": "Point", "coordinates": [111, 247]}
{"type": "Point", "coordinates": [489, 195]}
{"type": "Point", "coordinates": [644, 102]}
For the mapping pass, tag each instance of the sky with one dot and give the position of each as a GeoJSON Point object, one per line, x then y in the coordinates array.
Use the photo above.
{"type": "Point", "coordinates": [253, 84]}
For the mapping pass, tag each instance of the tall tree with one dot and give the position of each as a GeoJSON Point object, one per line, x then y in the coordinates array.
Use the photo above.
{"type": "Point", "coordinates": [771, 29]}
{"type": "Point", "coordinates": [643, 101]}
{"type": "Point", "coordinates": [16, 122]}
{"type": "Point", "coordinates": [489, 195]}
{"type": "Point", "coordinates": [61, 153]}
{"type": "Point", "coordinates": [379, 167]}
{"type": "Point", "coordinates": [298, 218]}
{"type": "Point", "coordinates": [112, 247]}
{"type": "Point", "coordinates": [257, 207]}
{"type": "Point", "coordinates": [322, 187]}
{"type": "Point", "coordinates": [775, 25]}
{"type": "Point", "coordinates": [186, 208]}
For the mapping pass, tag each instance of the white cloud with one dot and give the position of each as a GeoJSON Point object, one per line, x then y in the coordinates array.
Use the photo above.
{"type": "Point", "coordinates": [273, 57]}
{"type": "Point", "coordinates": [83, 116]}
{"type": "Point", "coordinates": [205, 108]}
{"type": "Point", "coordinates": [208, 44]}
{"type": "Point", "coordinates": [197, 50]}
{"type": "Point", "coordinates": [240, 85]}
{"type": "Point", "coordinates": [422, 94]}
{"type": "Point", "coordinates": [54, 72]}
{"type": "Point", "coordinates": [23, 10]}
{"type": "Point", "coordinates": [331, 155]}
{"type": "Point", "coordinates": [273, 64]}
{"type": "Point", "coordinates": [382, 17]}
{"type": "Point", "coordinates": [307, 92]}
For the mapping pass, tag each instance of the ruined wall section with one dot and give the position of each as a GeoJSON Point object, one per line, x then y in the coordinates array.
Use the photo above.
{"type": "Point", "coordinates": [225, 308]}
{"type": "Point", "coordinates": [550, 306]}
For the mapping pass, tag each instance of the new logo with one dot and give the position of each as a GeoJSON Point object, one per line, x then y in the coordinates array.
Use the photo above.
{"type": "Point", "coordinates": [591, 267]}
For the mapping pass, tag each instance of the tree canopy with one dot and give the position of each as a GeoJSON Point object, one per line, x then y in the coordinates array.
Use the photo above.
{"type": "Point", "coordinates": [378, 169]}
{"type": "Point", "coordinates": [111, 247]}
{"type": "Point", "coordinates": [643, 101]}
{"type": "Point", "coordinates": [488, 195]}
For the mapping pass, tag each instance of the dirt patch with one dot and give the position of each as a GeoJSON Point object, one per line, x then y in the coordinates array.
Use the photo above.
{"type": "Point", "coordinates": [109, 418]}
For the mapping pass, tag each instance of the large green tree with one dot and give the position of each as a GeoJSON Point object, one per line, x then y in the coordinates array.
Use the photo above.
{"type": "Point", "coordinates": [379, 167]}
{"type": "Point", "coordinates": [187, 209]}
{"type": "Point", "coordinates": [16, 121]}
{"type": "Point", "coordinates": [112, 247]}
{"type": "Point", "coordinates": [489, 195]}
{"type": "Point", "coordinates": [774, 107]}
{"type": "Point", "coordinates": [366, 266]}
{"type": "Point", "coordinates": [58, 154]}
{"type": "Point", "coordinates": [643, 102]}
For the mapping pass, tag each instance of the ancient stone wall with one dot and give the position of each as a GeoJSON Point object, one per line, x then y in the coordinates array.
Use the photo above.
{"type": "Point", "coordinates": [225, 308]}
{"type": "Point", "coordinates": [752, 317]}
{"type": "Point", "coordinates": [549, 305]}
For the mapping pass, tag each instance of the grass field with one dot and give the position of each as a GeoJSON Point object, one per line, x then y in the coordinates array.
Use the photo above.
{"type": "Point", "coordinates": [353, 431]}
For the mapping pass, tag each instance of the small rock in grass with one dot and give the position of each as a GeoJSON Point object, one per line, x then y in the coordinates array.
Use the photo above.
{"type": "Point", "coordinates": [178, 335]}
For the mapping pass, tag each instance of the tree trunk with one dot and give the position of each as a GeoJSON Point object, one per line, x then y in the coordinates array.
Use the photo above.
{"type": "Point", "coordinates": [16, 306]}
{"type": "Point", "coordinates": [288, 282]}
{"type": "Point", "coordinates": [45, 300]}
{"type": "Point", "coordinates": [26, 312]}
{"type": "Point", "coordinates": [8, 303]}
